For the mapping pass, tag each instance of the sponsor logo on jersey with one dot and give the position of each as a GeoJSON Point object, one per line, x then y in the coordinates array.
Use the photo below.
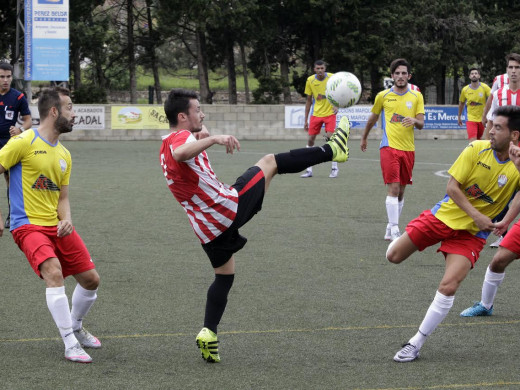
{"type": "Point", "coordinates": [475, 192]}
{"type": "Point", "coordinates": [396, 118]}
{"type": "Point", "coordinates": [484, 165]}
{"type": "Point", "coordinates": [36, 152]}
{"type": "Point", "coordinates": [475, 104]}
{"type": "Point", "coordinates": [44, 183]}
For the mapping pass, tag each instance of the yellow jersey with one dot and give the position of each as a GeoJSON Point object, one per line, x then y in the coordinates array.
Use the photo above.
{"type": "Point", "coordinates": [475, 100]}
{"type": "Point", "coordinates": [395, 107]}
{"type": "Point", "coordinates": [37, 171]}
{"type": "Point", "coordinates": [489, 185]}
{"type": "Point", "coordinates": [316, 88]}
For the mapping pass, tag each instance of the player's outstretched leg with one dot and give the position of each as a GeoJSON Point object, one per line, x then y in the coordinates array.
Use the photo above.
{"type": "Point", "coordinates": [207, 342]}
{"type": "Point", "coordinates": [338, 141]}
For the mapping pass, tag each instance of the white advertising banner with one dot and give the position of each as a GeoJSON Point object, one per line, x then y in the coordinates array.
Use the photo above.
{"type": "Point", "coordinates": [87, 117]}
{"type": "Point", "coordinates": [47, 40]}
{"type": "Point", "coordinates": [358, 116]}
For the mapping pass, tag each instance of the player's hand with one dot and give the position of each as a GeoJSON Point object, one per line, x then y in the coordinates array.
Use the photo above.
{"type": "Point", "coordinates": [204, 133]}
{"type": "Point", "coordinates": [306, 126]}
{"type": "Point", "coordinates": [1, 226]}
{"type": "Point", "coordinates": [514, 154]}
{"type": "Point", "coordinates": [13, 130]}
{"type": "Point", "coordinates": [459, 122]}
{"type": "Point", "coordinates": [484, 223]}
{"type": "Point", "coordinates": [363, 145]}
{"type": "Point", "coordinates": [230, 142]}
{"type": "Point", "coordinates": [408, 122]}
{"type": "Point", "coordinates": [64, 228]}
{"type": "Point", "coordinates": [500, 228]}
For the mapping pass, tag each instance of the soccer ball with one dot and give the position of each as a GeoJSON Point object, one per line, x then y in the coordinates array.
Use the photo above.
{"type": "Point", "coordinates": [343, 90]}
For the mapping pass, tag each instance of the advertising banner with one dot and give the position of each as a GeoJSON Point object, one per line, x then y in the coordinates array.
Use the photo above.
{"type": "Point", "coordinates": [358, 116]}
{"type": "Point", "coordinates": [139, 117]}
{"type": "Point", "coordinates": [87, 117]}
{"type": "Point", "coordinates": [47, 40]}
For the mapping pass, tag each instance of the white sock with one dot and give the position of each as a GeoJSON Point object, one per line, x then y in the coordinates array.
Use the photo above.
{"type": "Point", "coordinates": [82, 301]}
{"type": "Point", "coordinates": [392, 209]}
{"type": "Point", "coordinates": [490, 286]}
{"type": "Point", "coordinates": [58, 305]}
{"type": "Point", "coordinates": [401, 204]}
{"type": "Point", "coordinates": [334, 165]}
{"type": "Point", "coordinates": [436, 313]}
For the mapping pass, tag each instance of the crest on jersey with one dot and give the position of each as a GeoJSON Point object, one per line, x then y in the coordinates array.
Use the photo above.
{"type": "Point", "coordinates": [480, 94]}
{"type": "Point", "coordinates": [409, 105]}
{"type": "Point", "coordinates": [63, 165]}
{"type": "Point", "coordinates": [502, 180]}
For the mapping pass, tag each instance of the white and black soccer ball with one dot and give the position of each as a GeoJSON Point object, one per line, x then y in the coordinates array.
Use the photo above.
{"type": "Point", "coordinates": [343, 89]}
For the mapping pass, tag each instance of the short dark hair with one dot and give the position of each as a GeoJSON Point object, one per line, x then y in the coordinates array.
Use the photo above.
{"type": "Point", "coordinates": [512, 113]}
{"type": "Point", "coordinates": [320, 62]}
{"type": "Point", "coordinates": [400, 62]}
{"type": "Point", "coordinates": [474, 68]}
{"type": "Point", "coordinates": [512, 57]}
{"type": "Point", "coordinates": [178, 101]}
{"type": "Point", "coordinates": [49, 98]}
{"type": "Point", "coordinates": [6, 66]}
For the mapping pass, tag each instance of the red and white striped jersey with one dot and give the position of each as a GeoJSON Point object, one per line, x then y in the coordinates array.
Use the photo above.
{"type": "Point", "coordinates": [413, 87]}
{"type": "Point", "coordinates": [503, 97]}
{"type": "Point", "coordinates": [211, 205]}
{"type": "Point", "coordinates": [499, 82]}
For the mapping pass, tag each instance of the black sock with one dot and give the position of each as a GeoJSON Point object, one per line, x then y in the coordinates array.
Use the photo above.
{"type": "Point", "coordinates": [217, 300]}
{"type": "Point", "coordinates": [297, 160]}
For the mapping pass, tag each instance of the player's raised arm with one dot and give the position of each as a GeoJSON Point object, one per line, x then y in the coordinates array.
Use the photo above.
{"type": "Point", "coordinates": [192, 149]}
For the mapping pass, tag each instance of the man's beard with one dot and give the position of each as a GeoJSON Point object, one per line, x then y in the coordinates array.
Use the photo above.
{"type": "Point", "coordinates": [63, 125]}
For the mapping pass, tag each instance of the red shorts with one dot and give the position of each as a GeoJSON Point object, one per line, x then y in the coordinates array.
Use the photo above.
{"type": "Point", "coordinates": [512, 240]}
{"type": "Point", "coordinates": [316, 123]}
{"type": "Point", "coordinates": [396, 165]}
{"type": "Point", "coordinates": [427, 230]}
{"type": "Point", "coordinates": [475, 129]}
{"type": "Point", "coordinates": [40, 243]}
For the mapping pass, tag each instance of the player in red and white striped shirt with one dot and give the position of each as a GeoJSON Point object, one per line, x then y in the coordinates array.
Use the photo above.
{"type": "Point", "coordinates": [507, 94]}
{"type": "Point", "coordinates": [498, 82]}
{"type": "Point", "coordinates": [216, 210]}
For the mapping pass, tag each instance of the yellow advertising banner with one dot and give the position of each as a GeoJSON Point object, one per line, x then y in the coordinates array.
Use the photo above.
{"type": "Point", "coordinates": [139, 117]}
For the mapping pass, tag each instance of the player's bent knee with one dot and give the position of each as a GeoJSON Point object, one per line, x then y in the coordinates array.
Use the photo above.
{"type": "Point", "coordinates": [391, 253]}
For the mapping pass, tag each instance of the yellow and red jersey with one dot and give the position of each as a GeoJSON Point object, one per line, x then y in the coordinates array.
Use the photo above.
{"type": "Point", "coordinates": [395, 107]}
{"type": "Point", "coordinates": [37, 171]}
{"type": "Point", "coordinates": [489, 185]}
{"type": "Point", "coordinates": [316, 88]}
{"type": "Point", "coordinates": [475, 99]}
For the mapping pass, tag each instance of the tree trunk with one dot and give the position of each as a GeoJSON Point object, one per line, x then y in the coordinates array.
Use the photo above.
{"type": "Point", "coordinates": [375, 81]}
{"type": "Point", "coordinates": [76, 68]}
{"type": "Point", "coordinates": [232, 74]}
{"type": "Point", "coordinates": [244, 71]}
{"type": "Point", "coordinates": [151, 52]}
{"type": "Point", "coordinates": [441, 85]}
{"type": "Point", "coordinates": [455, 95]}
{"type": "Point", "coordinates": [284, 74]}
{"type": "Point", "coordinates": [206, 96]}
{"type": "Point", "coordinates": [130, 51]}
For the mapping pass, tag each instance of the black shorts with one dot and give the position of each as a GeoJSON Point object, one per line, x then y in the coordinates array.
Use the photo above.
{"type": "Point", "coordinates": [251, 188]}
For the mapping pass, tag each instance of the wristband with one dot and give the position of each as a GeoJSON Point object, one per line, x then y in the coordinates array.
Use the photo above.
{"type": "Point", "coordinates": [22, 129]}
